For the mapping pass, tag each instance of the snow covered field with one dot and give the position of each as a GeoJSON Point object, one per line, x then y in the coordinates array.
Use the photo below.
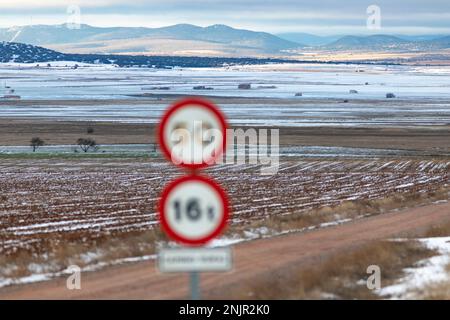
{"type": "Point", "coordinates": [314, 114]}
{"type": "Point", "coordinates": [44, 200]}
{"type": "Point", "coordinates": [316, 82]}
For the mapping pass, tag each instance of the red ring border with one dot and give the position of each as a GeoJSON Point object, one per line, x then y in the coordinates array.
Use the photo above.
{"type": "Point", "coordinates": [180, 104]}
{"type": "Point", "coordinates": [201, 241]}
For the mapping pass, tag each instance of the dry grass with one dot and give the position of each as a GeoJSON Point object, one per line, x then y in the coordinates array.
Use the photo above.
{"type": "Point", "coordinates": [341, 277]}
{"type": "Point", "coordinates": [61, 253]}
{"type": "Point", "coordinates": [347, 210]}
{"type": "Point", "coordinates": [438, 230]}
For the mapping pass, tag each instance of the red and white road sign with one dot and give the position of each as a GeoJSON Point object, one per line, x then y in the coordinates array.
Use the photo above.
{"type": "Point", "coordinates": [193, 210]}
{"type": "Point", "coordinates": [192, 133]}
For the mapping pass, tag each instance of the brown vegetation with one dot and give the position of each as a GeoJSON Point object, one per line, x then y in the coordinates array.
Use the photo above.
{"type": "Point", "coordinates": [76, 206]}
{"type": "Point", "coordinates": [349, 210]}
{"type": "Point", "coordinates": [60, 253]}
{"type": "Point", "coordinates": [340, 277]}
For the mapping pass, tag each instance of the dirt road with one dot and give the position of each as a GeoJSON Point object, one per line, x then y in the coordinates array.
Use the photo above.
{"type": "Point", "coordinates": [253, 260]}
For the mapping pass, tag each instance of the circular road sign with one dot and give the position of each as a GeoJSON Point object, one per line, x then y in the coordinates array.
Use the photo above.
{"type": "Point", "coordinates": [192, 133]}
{"type": "Point", "coordinates": [193, 210]}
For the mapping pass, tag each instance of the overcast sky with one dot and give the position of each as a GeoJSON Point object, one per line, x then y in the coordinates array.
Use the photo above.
{"type": "Point", "coordinates": [324, 17]}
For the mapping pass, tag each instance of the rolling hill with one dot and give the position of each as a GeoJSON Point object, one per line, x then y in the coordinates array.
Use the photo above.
{"type": "Point", "coordinates": [443, 42]}
{"type": "Point", "coordinates": [389, 43]}
{"type": "Point", "coordinates": [12, 52]}
{"type": "Point", "coordinates": [374, 42]}
{"type": "Point", "coordinates": [26, 53]}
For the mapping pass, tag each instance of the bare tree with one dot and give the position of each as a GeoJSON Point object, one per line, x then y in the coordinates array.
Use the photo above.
{"type": "Point", "coordinates": [36, 142]}
{"type": "Point", "coordinates": [87, 144]}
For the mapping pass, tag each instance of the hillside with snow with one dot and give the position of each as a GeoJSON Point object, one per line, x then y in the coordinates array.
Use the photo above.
{"type": "Point", "coordinates": [12, 52]}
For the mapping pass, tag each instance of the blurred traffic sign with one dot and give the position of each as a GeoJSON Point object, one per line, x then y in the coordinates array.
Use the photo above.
{"type": "Point", "coordinates": [193, 210]}
{"type": "Point", "coordinates": [192, 133]}
{"type": "Point", "coordinates": [195, 260]}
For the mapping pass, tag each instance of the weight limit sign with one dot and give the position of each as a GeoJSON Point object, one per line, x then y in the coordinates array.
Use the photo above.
{"type": "Point", "coordinates": [193, 210]}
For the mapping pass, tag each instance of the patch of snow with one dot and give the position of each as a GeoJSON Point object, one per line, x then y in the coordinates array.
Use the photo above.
{"type": "Point", "coordinates": [24, 280]}
{"type": "Point", "coordinates": [224, 242]}
{"type": "Point", "coordinates": [426, 272]}
{"type": "Point", "coordinates": [334, 223]}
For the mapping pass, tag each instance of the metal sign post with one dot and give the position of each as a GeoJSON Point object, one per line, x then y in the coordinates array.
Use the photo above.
{"type": "Point", "coordinates": [194, 261]}
{"type": "Point", "coordinates": [193, 209]}
{"type": "Point", "coordinates": [195, 285]}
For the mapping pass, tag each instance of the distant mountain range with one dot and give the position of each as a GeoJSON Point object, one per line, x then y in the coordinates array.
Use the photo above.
{"type": "Point", "coordinates": [314, 40]}
{"type": "Point", "coordinates": [378, 42]}
{"type": "Point", "coordinates": [388, 43]}
{"type": "Point", "coordinates": [372, 42]}
{"type": "Point", "coordinates": [213, 41]}
{"type": "Point", "coordinates": [180, 39]}
{"type": "Point", "coordinates": [308, 39]}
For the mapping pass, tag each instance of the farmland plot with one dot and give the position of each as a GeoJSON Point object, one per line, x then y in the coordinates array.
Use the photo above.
{"type": "Point", "coordinates": [45, 202]}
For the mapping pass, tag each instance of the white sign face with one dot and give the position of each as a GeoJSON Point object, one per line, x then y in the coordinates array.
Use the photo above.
{"type": "Point", "coordinates": [193, 133]}
{"type": "Point", "coordinates": [195, 260]}
{"type": "Point", "coordinates": [193, 210]}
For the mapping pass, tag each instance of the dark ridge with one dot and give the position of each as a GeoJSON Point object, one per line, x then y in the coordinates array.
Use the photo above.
{"type": "Point", "coordinates": [26, 53]}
